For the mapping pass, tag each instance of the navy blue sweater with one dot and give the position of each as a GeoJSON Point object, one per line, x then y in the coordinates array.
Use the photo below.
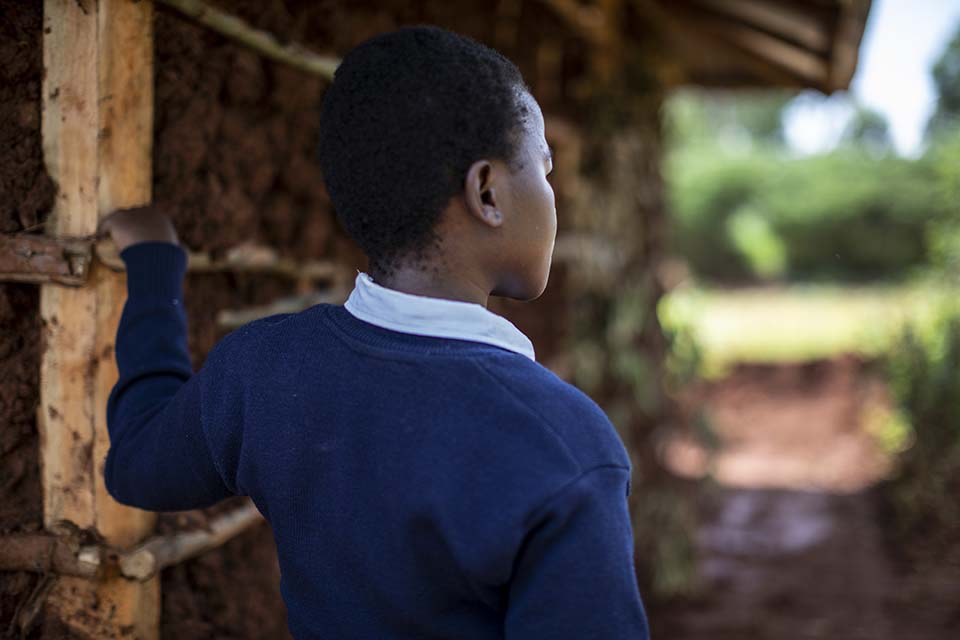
{"type": "Point", "coordinates": [417, 487]}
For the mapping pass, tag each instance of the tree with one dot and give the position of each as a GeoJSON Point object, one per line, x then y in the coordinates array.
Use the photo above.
{"type": "Point", "coordinates": [868, 128]}
{"type": "Point", "coordinates": [755, 117]}
{"type": "Point", "coordinates": [946, 77]}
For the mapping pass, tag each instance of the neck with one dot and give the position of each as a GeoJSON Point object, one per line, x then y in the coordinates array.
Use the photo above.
{"type": "Point", "coordinates": [433, 282]}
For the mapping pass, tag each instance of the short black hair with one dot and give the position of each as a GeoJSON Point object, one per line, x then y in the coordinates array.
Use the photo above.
{"type": "Point", "coordinates": [407, 113]}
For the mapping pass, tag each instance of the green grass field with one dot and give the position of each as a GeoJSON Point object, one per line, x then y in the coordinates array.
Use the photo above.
{"type": "Point", "coordinates": [796, 322]}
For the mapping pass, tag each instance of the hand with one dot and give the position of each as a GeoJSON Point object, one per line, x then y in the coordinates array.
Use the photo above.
{"type": "Point", "coordinates": [138, 224]}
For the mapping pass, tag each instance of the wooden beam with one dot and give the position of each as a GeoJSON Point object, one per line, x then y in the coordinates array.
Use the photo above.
{"type": "Point", "coordinates": [683, 26]}
{"type": "Point", "coordinates": [783, 20]}
{"type": "Point", "coordinates": [159, 552]}
{"type": "Point", "coordinates": [245, 258]}
{"type": "Point", "coordinates": [588, 22]}
{"type": "Point", "coordinates": [97, 140]}
{"type": "Point", "coordinates": [45, 553]}
{"type": "Point", "coordinates": [65, 555]}
{"type": "Point", "coordinates": [507, 25]}
{"type": "Point", "coordinates": [40, 258]}
{"type": "Point", "coordinates": [846, 42]}
{"type": "Point", "coordinates": [804, 64]}
{"type": "Point", "coordinates": [264, 43]}
{"type": "Point", "coordinates": [235, 318]}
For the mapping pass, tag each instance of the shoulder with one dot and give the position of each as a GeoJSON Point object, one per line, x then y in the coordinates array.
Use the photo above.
{"type": "Point", "coordinates": [258, 339]}
{"type": "Point", "coordinates": [277, 326]}
{"type": "Point", "coordinates": [572, 416]}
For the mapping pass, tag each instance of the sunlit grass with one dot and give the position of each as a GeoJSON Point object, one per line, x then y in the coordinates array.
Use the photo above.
{"type": "Point", "coordinates": [796, 323]}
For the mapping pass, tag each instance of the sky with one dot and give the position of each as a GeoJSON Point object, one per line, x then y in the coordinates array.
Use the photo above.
{"type": "Point", "coordinates": [902, 41]}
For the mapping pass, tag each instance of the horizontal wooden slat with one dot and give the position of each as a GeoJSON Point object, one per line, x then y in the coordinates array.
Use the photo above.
{"type": "Point", "coordinates": [66, 260]}
{"type": "Point", "coordinates": [38, 259]}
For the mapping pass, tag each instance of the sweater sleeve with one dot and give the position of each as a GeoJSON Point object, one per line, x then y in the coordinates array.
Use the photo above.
{"type": "Point", "coordinates": [160, 457]}
{"type": "Point", "coordinates": [574, 577]}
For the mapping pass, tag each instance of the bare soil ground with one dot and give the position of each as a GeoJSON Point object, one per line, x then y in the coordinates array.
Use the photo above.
{"type": "Point", "coordinates": [791, 543]}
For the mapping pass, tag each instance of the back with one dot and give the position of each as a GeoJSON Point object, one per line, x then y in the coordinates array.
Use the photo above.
{"type": "Point", "coordinates": [402, 474]}
{"type": "Point", "coordinates": [418, 487]}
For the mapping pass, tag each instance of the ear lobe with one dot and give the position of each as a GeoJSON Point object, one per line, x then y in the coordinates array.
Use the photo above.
{"type": "Point", "coordinates": [491, 212]}
{"type": "Point", "coordinates": [480, 196]}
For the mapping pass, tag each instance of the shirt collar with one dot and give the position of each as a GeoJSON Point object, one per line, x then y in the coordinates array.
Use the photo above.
{"type": "Point", "coordinates": [436, 317]}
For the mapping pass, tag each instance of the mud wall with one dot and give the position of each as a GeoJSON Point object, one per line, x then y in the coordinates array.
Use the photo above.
{"type": "Point", "coordinates": [26, 194]}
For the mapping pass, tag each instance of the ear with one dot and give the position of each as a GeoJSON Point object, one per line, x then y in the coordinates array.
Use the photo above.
{"type": "Point", "coordinates": [480, 194]}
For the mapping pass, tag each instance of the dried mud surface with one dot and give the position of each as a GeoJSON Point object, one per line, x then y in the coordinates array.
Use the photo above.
{"type": "Point", "coordinates": [792, 542]}
{"type": "Point", "coordinates": [237, 584]}
{"type": "Point", "coordinates": [234, 147]}
{"type": "Point", "coordinates": [26, 195]}
{"type": "Point", "coordinates": [27, 191]}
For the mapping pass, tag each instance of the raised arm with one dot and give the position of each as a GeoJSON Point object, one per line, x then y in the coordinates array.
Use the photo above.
{"type": "Point", "coordinates": [160, 455]}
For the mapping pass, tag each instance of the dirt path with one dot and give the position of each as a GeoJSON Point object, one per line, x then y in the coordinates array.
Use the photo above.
{"type": "Point", "coordinates": [790, 544]}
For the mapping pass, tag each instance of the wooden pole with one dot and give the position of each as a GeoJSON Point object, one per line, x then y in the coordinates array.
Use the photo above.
{"type": "Point", "coordinates": [263, 42]}
{"type": "Point", "coordinates": [40, 259]}
{"type": "Point", "coordinates": [97, 140]}
{"type": "Point", "coordinates": [163, 551]}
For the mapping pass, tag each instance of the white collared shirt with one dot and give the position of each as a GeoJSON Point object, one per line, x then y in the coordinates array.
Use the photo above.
{"type": "Point", "coordinates": [436, 317]}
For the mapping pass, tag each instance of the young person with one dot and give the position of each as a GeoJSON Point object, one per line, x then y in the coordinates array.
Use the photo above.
{"type": "Point", "coordinates": [423, 475]}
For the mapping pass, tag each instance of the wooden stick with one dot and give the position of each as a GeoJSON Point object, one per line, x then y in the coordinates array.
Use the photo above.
{"type": "Point", "coordinates": [265, 43]}
{"type": "Point", "coordinates": [163, 551]}
{"type": "Point", "coordinates": [35, 258]}
{"type": "Point", "coordinates": [791, 22]}
{"type": "Point", "coordinates": [246, 258]}
{"type": "Point", "coordinates": [47, 553]}
{"type": "Point", "coordinates": [846, 42]}
{"type": "Point", "coordinates": [589, 22]}
{"type": "Point", "coordinates": [681, 25]}
{"type": "Point", "coordinates": [62, 555]}
{"type": "Point", "coordinates": [235, 318]}
{"type": "Point", "coordinates": [39, 258]}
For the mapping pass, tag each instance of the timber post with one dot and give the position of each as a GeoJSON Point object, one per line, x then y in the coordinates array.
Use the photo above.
{"type": "Point", "coordinates": [97, 142]}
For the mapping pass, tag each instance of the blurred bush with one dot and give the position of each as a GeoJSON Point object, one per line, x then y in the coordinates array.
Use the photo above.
{"type": "Point", "coordinates": [924, 372]}
{"type": "Point", "coordinates": [944, 233]}
{"type": "Point", "coordinates": [745, 208]}
{"type": "Point", "coordinates": [924, 366]}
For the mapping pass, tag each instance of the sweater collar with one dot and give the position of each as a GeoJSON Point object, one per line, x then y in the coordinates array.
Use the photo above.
{"type": "Point", "coordinates": [436, 317]}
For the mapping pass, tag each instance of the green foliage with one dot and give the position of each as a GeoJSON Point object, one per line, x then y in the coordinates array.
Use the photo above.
{"type": "Point", "coordinates": [792, 323]}
{"type": "Point", "coordinates": [946, 77]}
{"type": "Point", "coordinates": [924, 373]}
{"type": "Point", "coordinates": [944, 232]}
{"type": "Point", "coordinates": [749, 117]}
{"type": "Point", "coordinates": [664, 519]}
{"type": "Point", "coordinates": [684, 361]}
{"type": "Point", "coordinates": [868, 129]}
{"type": "Point", "coordinates": [744, 208]}
{"type": "Point", "coordinates": [850, 214]}
{"type": "Point", "coordinates": [704, 192]}
{"type": "Point", "coordinates": [924, 366]}
{"type": "Point", "coordinates": [757, 241]}
{"type": "Point", "coordinates": [611, 364]}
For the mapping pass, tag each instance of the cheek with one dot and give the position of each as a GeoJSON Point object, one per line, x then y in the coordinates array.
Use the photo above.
{"type": "Point", "coordinates": [547, 212]}
{"type": "Point", "coordinates": [537, 227]}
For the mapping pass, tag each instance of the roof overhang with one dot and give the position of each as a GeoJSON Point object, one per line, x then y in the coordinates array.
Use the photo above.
{"type": "Point", "coordinates": [760, 43]}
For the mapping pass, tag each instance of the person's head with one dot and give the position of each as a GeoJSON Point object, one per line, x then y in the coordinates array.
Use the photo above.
{"type": "Point", "coordinates": [434, 156]}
